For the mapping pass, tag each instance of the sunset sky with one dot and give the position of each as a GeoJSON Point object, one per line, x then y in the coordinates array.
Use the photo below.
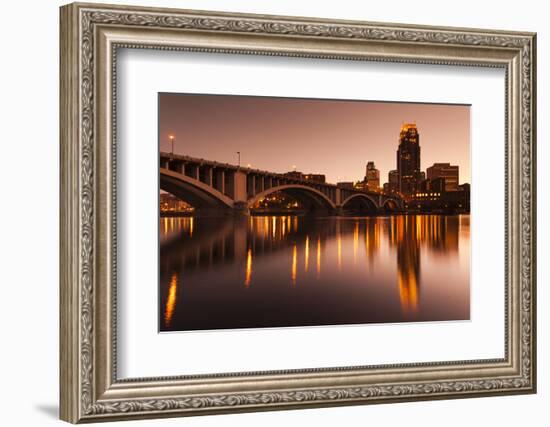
{"type": "Point", "coordinates": [332, 137]}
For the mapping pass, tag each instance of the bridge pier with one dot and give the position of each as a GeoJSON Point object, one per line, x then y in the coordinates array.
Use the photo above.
{"type": "Point", "coordinates": [240, 194]}
{"type": "Point", "coordinates": [338, 197]}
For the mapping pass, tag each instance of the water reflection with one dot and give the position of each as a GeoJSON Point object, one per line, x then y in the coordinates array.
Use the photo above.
{"type": "Point", "coordinates": [248, 274]}
{"type": "Point", "coordinates": [409, 235]}
{"type": "Point", "coordinates": [294, 264]}
{"type": "Point", "coordinates": [306, 256]}
{"type": "Point", "coordinates": [171, 300]}
{"type": "Point", "coordinates": [318, 257]}
{"type": "Point", "coordinates": [401, 272]}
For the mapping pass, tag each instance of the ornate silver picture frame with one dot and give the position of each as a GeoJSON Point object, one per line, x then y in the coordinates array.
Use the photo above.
{"type": "Point", "coordinates": [91, 36]}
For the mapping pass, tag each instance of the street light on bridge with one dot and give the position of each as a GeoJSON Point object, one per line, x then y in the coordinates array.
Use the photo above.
{"type": "Point", "coordinates": [172, 138]}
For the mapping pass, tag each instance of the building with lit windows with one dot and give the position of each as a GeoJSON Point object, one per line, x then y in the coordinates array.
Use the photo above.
{"type": "Point", "coordinates": [446, 171]}
{"type": "Point", "coordinates": [392, 186]}
{"type": "Point", "coordinates": [315, 177]}
{"type": "Point", "coordinates": [306, 176]}
{"type": "Point", "coordinates": [432, 197]}
{"type": "Point", "coordinates": [372, 177]}
{"type": "Point", "coordinates": [393, 179]}
{"type": "Point", "coordinates": [408, 160]}
{"type": "Point", "coordinates": [171, 204]}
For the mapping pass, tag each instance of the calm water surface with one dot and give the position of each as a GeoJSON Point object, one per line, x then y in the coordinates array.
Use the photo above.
{"type": "Point", "coordinates": [274, 271]}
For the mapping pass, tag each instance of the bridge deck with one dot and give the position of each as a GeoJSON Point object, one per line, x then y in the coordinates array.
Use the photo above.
{"type": "Point", "coordinates": [259, 172]}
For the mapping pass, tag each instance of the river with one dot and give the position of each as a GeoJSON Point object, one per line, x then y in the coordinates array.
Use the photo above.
{"type": "Point", "coordinates": [276, 271]}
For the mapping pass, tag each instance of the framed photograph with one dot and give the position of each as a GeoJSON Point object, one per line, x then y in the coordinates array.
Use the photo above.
{"type": "Point", "coordinates": [264, 212]}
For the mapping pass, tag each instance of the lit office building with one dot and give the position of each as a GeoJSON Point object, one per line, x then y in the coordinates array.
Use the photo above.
{"type": "Point", "coordinates": [392, 186]}
{"type": "Point", "coordinates": [408, 159]}
{"type": "Point", "coordinates": [372, 177]}
{"type": "Point", "coordinates": [445, 171]}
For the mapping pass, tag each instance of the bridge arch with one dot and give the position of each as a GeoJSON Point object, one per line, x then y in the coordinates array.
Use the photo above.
{"type": "Point", "coordinates": [197, 194]}
{"type": "Point", "coordinates": [310, 197]}
{"type": "Point", "coordinates": [361, 202]}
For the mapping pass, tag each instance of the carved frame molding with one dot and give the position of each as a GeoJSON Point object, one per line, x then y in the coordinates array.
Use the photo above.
{"type": "Point", "coordinates": [90, 37]}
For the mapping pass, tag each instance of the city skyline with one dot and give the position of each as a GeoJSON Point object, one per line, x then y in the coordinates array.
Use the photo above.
{"type": "Point", "coordinates": [216, 127]}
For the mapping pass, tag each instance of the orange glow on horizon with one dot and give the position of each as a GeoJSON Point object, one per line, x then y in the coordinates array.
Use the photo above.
{"type": "Point", "coordinates": [436, 121]}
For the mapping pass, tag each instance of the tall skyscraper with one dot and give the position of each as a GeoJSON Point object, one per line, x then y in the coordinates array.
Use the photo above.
{"type": "Point", "coordinates": [446, 171]}
{"type": "Point", "coordinates": [408, 159]}
{"type": "Point", "coordinates": [372, 177]}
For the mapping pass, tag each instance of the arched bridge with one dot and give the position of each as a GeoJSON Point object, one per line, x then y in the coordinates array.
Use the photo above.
{"type": "Point", "coordinates": [212, 187]}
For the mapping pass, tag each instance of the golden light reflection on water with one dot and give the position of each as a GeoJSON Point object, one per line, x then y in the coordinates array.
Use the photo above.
{"type": "Point", "coordinates": [171, 300]}
{"type": "Point", "coordinates": [266, 227]}
{"type": "Point", "coordinates": [248, 272]}
{"type": "Point", "coordinates": [318, 257]}
{"type": "Point", "coordinates": [410, 231]}
{"type": "Point", "coordinates": [306, 255]}
{"type": "Point", "coordinates": [408, 291]}
{"type": "Point", "coordinates": [439, 233]}
{"type": "Point", "coordinates": [372, 238]}
{"type": "Point", "coordinates": [172, 226]}
{"type": "Point", "coordinates": [393, 245]}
